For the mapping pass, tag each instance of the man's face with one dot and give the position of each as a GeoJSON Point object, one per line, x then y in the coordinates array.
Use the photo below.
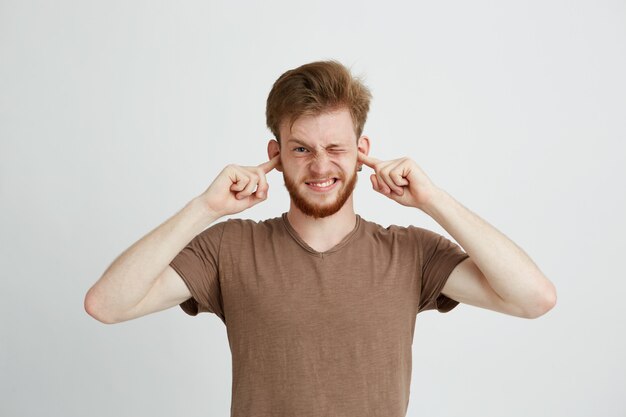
{"type": "Point", "coordinates": [319, 160]}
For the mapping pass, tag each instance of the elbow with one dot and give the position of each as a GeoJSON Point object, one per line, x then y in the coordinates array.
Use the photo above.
{"type": "Point", "coordinates": [90, 305]}
{"type": "Point", "coordinates": [546, 302]}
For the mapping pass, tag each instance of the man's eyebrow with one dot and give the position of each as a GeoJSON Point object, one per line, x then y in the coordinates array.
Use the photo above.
{"type": "Point", "coordinates": [330, 145]}
{"type": "Point", "coordinates": [297, 141]}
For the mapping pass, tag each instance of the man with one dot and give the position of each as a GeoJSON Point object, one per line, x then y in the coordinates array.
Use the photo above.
{"type": "Point", "coordinates": [319, 303]}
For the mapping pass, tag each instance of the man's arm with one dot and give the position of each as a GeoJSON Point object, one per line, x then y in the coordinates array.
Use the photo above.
{"type": "Point", "coordinates": [128, 280]}
{"type": "Point", "coordinates": [140, 280]}
{"type": "Point", "coordinates": [498, 274]}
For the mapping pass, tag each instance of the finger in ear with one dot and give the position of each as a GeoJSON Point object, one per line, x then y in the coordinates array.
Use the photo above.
{"type": "Point", "coordinates": [374, 182]}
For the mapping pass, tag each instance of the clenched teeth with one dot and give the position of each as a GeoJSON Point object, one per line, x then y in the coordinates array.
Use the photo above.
{"type": "Point", "coordinates": [322, 184]}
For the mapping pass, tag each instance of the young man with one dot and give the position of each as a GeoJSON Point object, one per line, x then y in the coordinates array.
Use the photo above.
{"type": "Point", "coordinates": [319, 303]}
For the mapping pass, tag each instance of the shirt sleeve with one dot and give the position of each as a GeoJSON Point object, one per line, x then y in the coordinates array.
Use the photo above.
{"type": "Point", "coordinates": [198, 266]}
{"type": "Point", "coordinates": [439, 256]}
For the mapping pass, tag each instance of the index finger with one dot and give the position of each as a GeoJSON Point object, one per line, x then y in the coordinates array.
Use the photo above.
{"type": "Point", "coordinates": [271, 164]}
{"type": "Point", "coordinates": [367, 160]}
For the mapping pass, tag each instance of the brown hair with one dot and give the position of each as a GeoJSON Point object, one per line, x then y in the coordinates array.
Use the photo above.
{"type": "Point", "coordinates": [314, 88]}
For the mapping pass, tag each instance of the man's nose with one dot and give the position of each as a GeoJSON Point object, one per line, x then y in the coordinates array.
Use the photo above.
{"type": "Point", "coordinates": [321, 162]}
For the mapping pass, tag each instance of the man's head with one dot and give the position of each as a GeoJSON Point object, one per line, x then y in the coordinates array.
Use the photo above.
{"type": "Point", "coordinates": [316, 113]}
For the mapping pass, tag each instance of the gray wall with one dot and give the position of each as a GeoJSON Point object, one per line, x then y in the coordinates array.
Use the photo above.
{"type": "Point", "coordinates": [114, 114]}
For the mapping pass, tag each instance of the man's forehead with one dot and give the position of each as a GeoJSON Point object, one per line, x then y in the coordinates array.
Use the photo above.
{"type": "Point", "coordinates": [330, 128]}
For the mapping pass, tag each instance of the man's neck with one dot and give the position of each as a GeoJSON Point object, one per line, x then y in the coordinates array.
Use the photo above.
{"type": "Point", "coordinates": [323, 234]}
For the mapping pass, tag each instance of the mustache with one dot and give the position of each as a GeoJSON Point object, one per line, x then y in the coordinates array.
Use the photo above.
{"type": "Point", "coordinates": [339, 176]}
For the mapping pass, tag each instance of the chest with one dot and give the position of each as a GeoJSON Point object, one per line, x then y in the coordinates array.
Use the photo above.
{"type": "Point", "coordinates": [334, 295]}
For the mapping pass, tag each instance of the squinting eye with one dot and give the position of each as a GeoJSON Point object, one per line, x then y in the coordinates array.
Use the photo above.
{"type": "Point", "coordinates": [300, 147]}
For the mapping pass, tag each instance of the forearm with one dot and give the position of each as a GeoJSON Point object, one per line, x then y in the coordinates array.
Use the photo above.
{"type": "Point", "coordinates": [132, 274]}
{"type": "Point", "coordinates": [510, 271]}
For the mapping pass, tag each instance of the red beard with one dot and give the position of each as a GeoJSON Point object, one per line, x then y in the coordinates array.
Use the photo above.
{"type": "Point", "coordinates": [316, 210]}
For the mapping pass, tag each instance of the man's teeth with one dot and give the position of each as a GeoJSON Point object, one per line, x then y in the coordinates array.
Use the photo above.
{"type": "Point", "coordinates": [322, 184]}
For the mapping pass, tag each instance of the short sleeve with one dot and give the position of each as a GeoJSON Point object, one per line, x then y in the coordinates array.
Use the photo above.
{"type": "Point", "coordinates": [198, 266]}
{"type": "Point", "coordinates": [439, 256]}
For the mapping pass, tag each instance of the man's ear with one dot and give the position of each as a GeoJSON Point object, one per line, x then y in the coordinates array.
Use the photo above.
{"type": "Point", "coordinates": [273, 148]}
{"type": "Point", "coordinates": [363, 145]}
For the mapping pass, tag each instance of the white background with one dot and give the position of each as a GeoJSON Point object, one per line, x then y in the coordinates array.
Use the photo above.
{"type": "Point", "coordinates": [114, 114]}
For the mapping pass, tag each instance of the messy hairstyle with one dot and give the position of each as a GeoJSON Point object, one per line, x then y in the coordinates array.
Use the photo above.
{"type": "Point", "coordinates": [315, 88]}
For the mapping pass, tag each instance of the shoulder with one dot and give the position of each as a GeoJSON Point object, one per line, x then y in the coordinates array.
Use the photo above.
{"type": "Point", "coordinates": [392, 232]}
{"type": "Point", "coordinates": [240, 228]}
{"type": "Point", "coordinates": [404, 243]}
{"type": "Point", "coordinates": [407, 239]}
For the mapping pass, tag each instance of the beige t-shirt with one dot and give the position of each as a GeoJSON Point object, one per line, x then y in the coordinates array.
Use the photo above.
{"type": "Point", "coordinates": [312, 333]}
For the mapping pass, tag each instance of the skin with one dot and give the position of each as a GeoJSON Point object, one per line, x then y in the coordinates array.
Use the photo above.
{"type": "Point", "coordinates": [498, 275]}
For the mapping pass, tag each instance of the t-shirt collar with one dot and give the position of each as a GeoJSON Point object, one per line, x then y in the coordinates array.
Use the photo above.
{"type": "Point", "coordinates": [335, 248]}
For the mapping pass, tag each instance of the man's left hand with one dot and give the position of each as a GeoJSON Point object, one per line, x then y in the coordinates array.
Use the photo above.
{"type": "Point", "coordinates": [401, 179]}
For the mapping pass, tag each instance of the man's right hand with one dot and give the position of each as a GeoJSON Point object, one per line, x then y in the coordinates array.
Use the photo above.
{"type": "Point", "coordinates": [238, 188]}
